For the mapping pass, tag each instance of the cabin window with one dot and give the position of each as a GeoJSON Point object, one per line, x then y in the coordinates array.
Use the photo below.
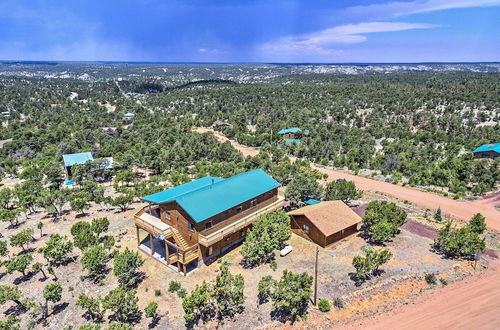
{"type": "Point", "coordinates": [210, 251]}
{"type": "Point", "coordinates": [305, 228]}
{"type": "Point", "coordinates": [208, 225]}
{"type": "Point", "coordinates": [253, 203]}
{"type": "Point", "coordinates": [238, 209]}
{"type": "Point", "coordinates": [167, 215]}
{"type": "Point", "coordinates": [191, 226]}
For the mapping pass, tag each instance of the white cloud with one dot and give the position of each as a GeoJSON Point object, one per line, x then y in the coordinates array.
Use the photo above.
{"type": "Point", "coordinates": [397, 9]}
{"type": "Point", "coordinates": [321, 42]}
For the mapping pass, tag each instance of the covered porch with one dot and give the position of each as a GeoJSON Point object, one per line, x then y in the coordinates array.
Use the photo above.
{"type": "Point", "coordinates": [159, 240]}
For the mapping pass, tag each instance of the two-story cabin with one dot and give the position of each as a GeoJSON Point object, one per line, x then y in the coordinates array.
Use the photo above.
{"type": "Point", "coordinates": [196, 222]}
{"type": "Point", "coordinates": [488, 151]}
{"type": "Point", "coordinates": [290, 135]}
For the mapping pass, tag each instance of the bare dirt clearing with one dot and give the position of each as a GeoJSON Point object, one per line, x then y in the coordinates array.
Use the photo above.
{"type": "Point", "coordinates": [462, 210]}
{"type": "Point", "coordinates": [473, 303]}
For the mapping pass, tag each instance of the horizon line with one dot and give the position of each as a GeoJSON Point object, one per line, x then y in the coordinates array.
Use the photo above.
{"type": "Point", "coordinates": [242, 62]}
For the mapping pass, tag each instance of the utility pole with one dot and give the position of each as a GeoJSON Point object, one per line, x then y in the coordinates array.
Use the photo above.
{"type": "Point", "coordinates": [316, 277]}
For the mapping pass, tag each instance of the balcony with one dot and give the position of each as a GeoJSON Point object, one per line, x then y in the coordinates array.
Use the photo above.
{"type": "Point", "coordinates": [151, 223]}
{"type": "Point", "coordinates": [216, 233]}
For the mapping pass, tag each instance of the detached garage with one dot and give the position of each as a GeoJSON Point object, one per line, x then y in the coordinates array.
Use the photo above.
{"type": "Point", "coordinates": [325, 223]}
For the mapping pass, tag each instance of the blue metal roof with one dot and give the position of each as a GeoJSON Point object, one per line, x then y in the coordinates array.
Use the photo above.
{"type": "Point", "coordinates": [75, 159]}
{"type": "Point", "coordinates": [289, 130]}
{"type": "Point", "coordinates": [291, 141]}
{"type": "Point", "coordinates": [202, 199]}
{"type": "Point", "coordinates": [489, 147]}
{"type": "Point", "coordinates": [172, 194]}
{"type": "Point", "coordinates": [312, 201]}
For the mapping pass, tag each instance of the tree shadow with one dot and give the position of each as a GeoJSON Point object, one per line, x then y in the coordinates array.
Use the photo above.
{"type": "Point", "coordinates": [359, 281]}
{"type": "Point", "coordinates": [24, 278]}
{"type": "Point", "coordinates": [15, 310]}
{"type": "Point", "coordinates": [154, 322]}
{"type": "Point", "coordinates": [133, 318]}
{"type": "Point", "coordinates": [59, 308]}
{"type": "Point", "coordinates": [81, 215]}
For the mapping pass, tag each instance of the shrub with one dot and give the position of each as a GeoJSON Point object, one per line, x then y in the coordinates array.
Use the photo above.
{"type": "Point", "coordinates": [291, 295]}
{"type": "Point", "coordinates": [324, 305]}
{"type": "Point", "coordinates": [459, 242]}
{"type": "Point", "coordinates": [443, 281]}
{"type": "Point", "coordinates": [151, 310]}
{"type": "Point", "coordinates": [430, 279]}
{"type": "Point", "coordinates": [338, 303]}
{"type": "Point", "coordinates": [174, 286]}
{"type": "Point", "coordinates": [157, 292]}
{"type": "Point", "coordinates": [265, 288]}
{"type": "Point", "coordinates": [181, 293]}
{"type": "Point", "coordinates": [382, 221]}
{"type": "Point", "coordinates": [122, 303]}
{"type": "Point", "coordinates": [215, 300]}
{"type": "Point", "coordinates": [268, 233]}
{"type": "Point", "coordinates": [368, 265]}
{"type": "Point", "coordinates": [126, 264]}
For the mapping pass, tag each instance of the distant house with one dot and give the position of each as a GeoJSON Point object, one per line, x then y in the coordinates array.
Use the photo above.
{"type": "Point", "coordinates": [221, 123]}
{"type": "Point", "coordinates": [487, 151]}
{"type": "Point", "coordinates": [325, 223]}
{"type": "Point", "coordinates": [198, 221]}
{"type": "Point", "coordinates": [129, 115]}
{"type": "Point", "coordinates": [109, 130]}
{"type": "Point", "coordinates": [290, 135]}
{"type": "Point", "coordinates": [75, 159]}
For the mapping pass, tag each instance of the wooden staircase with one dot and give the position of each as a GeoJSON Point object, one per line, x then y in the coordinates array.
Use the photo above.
{"type": "Point", "coordinates": [181, 242]}
{"type": "Point", "coordinates": [184, 257]}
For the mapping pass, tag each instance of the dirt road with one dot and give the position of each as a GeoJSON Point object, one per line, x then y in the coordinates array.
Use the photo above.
{"type": "Point", "coordinates": [473, 303]}
{"type": "Point", "coordinates": [462, 210]}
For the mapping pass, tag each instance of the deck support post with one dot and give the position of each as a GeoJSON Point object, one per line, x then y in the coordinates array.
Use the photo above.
{"type": "Point", "coordinates": [166, 250]}
{"type": "Point", "coordinates": [152, 244]}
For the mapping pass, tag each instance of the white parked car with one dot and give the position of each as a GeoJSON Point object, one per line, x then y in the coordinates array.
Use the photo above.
{"type": "Point", "coordinates": [286, 250]}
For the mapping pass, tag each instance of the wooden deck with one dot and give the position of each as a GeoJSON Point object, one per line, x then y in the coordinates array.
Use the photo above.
{"type": "Point", "coordinates": [212, 235]}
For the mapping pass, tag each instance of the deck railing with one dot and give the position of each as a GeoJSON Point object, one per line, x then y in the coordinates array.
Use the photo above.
{"type": "Point", "coordinates": [208, 239]}
{"type": "Point", "coordinates": [151, 223]}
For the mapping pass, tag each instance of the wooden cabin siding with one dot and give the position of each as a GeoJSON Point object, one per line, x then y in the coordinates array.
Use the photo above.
{"type": "Point", "coordinates": [179, 219]}
{"type": "Point", "coordinates": [220, 245]}
{"type": "Point", "coordinates": [341, 234]}
{"type": "Point", "coordinates": [314, 234]}
{"type": "Point", "coordinates": [486, 155]}
{"type": "Point", "coordinates": [288, 136]}
{"type": "Point", "coordinates": [227, 217]}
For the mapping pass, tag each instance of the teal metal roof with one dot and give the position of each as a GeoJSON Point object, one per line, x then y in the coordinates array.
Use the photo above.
{"type": "Point", "coordinates": [489, 147]}
{"type": "Point", "coordinates": [75, 159]}
{"type": "Point", "coordinates": [172, 194]}
{"type": "Point", "coordinates": [202, 199]}
{"type": "Point", "coordinates": [312, 201]}
{"type": "Point", "coordinates": [291, 141]}
{"type": "Point", "coordinates": [289, 130]}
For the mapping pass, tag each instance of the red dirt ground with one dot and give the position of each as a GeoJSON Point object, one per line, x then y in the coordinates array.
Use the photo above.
{"type": "Point", "coordinates": [462, 210]}
{"type": "Point", "coordinates": [473, 303]}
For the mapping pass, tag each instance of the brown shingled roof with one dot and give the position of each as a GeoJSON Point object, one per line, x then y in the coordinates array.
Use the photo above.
{"type": "Point", "coordinates": [329, 217]}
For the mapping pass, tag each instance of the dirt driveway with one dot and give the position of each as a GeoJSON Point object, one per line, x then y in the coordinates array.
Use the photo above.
{"type": "Point", "coordinates": [473, 303]}
{"type": "Point", "coordinates": [462, 210]}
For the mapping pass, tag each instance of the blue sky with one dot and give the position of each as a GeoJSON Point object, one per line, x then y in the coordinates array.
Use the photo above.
{"type": "Point", "coordinates": [251, 31]}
